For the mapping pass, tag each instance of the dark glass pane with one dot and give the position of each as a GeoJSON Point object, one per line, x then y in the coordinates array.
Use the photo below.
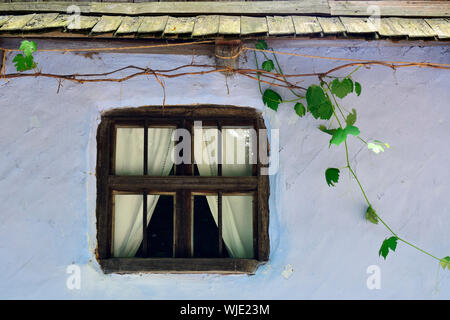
{"type": "Point", "coordinates": [160, 228]}
{"type": "Point", "coordinates": [206, 233]}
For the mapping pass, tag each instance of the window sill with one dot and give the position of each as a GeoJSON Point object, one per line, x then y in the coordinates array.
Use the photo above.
{"type": "Point", "coordinates": [179, 265]}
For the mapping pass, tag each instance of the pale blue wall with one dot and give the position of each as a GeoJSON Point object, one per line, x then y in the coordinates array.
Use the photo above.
{"type": "Point", "coordinates": [47, 182]}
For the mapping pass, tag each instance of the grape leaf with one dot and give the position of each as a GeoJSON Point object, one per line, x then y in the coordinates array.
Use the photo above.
{"type": "Point", "coordinates": [261, 45]}
{"type": "Point", "coordinates": [445, 263]}
{"type": "Point", "coordinates": [390, 243]}
{"type": "Point", "coordinates": [271, 99]}
{"type": "Point", "coordinates": [332, 176]}
{"type": "Point", "coordinates": [351, 118]}
{"type": "Point", "coordinates": [324, 129]}
{"type": "Point", "coordinates": [340, 134]}
{"type": "Point", "coordinates": [318, 103]}
{"type": "Point", "coordinates": [354, 131]}
{"type": "Point", "coordinates": [341, 88]}
{"type": "Point", "coordinates": [268, 65]}
{"type": "Point", "coordinates": [371, 215]}
{"type": "Point", "coordinates": [300, 109]}
{"type": "Point", "coordinates": [357, 88]}
{"type": "Point", "coordinates": [28, 47]}
{"type": "Point", "coordinates": [23, 63]}
{"type": "Point", "coordinates": [338, 137]}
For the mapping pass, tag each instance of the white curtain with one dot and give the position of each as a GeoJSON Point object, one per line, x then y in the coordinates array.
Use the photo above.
{"type": "Point", "coordinates": [129, 161]}
{"type": "Point", "coordinates": [237, 211]}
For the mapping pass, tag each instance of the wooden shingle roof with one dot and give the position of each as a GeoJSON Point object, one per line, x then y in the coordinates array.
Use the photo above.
{"type": "Point", "coordinates": [308, 18]}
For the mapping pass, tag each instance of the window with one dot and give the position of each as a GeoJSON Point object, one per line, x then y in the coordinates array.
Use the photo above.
{"type": "Point", "coordinates": [166, 203]}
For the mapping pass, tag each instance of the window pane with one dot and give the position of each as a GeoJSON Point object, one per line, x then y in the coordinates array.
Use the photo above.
{"type": "Point", "coordinates": [130, 151]}
{"type": "Point", "coordinates": [237, 215]}
{"type": "Point", "coordinates": [206, 151]}
{"type": "Point", "coordinates": [129, 158]}
{"type": "Point", "coordinates": [160, 228]}
{"type": "Point", "coordinates": [160, 151]}
{"type": "Point", "coordinates": [238, 151]}
{"type": "Point", "coordinates": [127, 224]}
{"type": "Point", "coordinates": [237, 225]}
{"type": "Point", "coordinates": [206, 232]}
{"type": "Point", "coordinates": [128, 229]}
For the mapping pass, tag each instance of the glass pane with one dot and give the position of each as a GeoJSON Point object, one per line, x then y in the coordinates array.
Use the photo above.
{"type": "Point", "coordinates": [127, 223]}
{"type": "Point", "coordinates": [129, 159]}
{"type": "Point", "coordinates": [130, 151]}
{"type": "Point", "coordinates": [237, 226]}
{"type": "Point", "coordinates": [160, 228]}
{"type": "Point", "coordinates": [206, 151]}
{"type": "Point", "coordinates": [206, 232]}
{"type": "Point", "coordinates": [237, 215]}
{"type": "Point", "coordinates": [160, 151]}
{"type": "Point", "coordinates": [238, 151]}
{"type": "Point", "coordinates": [128, 229]}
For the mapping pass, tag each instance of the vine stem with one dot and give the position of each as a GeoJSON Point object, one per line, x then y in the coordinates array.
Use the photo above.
{"type": "Point", "coordinates": [257, 74]}
{"type": "Point", "coordinates": [362, 189]}
{"type": "Point", "coordinates": [281, 71]}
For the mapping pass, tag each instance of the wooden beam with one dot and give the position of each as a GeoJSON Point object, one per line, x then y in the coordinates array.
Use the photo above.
{"type": "Point", "coordinates": [58, 41]}
{"type": "Point", "coordinates": [171, 183]}
{"type": "Point", "coordinates": [180, 265]}
{"type": "Point", "coordinates": [261, 8]}
{"type": "Point", "coordinates": [205, 112]}
{"type": "Point", "coordinates": [390, 8]}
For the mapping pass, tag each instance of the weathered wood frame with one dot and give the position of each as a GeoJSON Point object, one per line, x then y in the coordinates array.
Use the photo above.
{"type": "Point", "coordinates": [184, 184]}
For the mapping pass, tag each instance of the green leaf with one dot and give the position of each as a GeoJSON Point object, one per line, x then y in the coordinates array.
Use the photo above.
{"type": "Point", "coordinates": [324, 129]}
{"type": "Point", "coordinates": [318, 103]}
{"type": "Point", "coordinates": [271, 99]}
{"type": "Point", "coordinates": [338, 137]}
{"type": "Point", "coordinates": [268, 65]}
{"type": "Point", "coordinates": [390, 243]}
{"type": "Point", "coordinates": [23, 63]}
{"type": "Point", "coordinates": [354, 131]}
{"type": "Point", "coordinates": [300, 109]}
{"type": "Point", "coordinates": [261, 45]}
{"type": "Point", "coordinates": [351, 118]}
{"type": "Point", "coordinates": [342, 88]}
{"type": "Point", "coordinates": [371, 215]}
{"type": "Point", "coordinates": [445, 263]}
{"type": "Point", "coordinates": [28, 47]}
{"type": "Point", "coordinates": [357, 88]}
{"type": "Point", "coordinates": [377, 146]}
{"type": "Point", "coordinates": [340, 134]}
{"type": "Point", "coordinates": [332, 176]}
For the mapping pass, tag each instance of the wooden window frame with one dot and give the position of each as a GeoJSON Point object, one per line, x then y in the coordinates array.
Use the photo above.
{"type": "Point", "coordinates": [184, 184]}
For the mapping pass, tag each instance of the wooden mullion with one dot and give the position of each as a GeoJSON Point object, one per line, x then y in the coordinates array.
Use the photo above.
{"type": "Point", "coordinates": [144, 226]}
{"type": "Point", "coordinates": [183, 225]}
{"type": "Point", "coordinates": [219, 223]}
{"type": "Point", "coordinates": [145, 147]}
{"type": "Point", "coordinates": [190, 166]}
{"type": "Point", "coordinates": [219, 148]}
